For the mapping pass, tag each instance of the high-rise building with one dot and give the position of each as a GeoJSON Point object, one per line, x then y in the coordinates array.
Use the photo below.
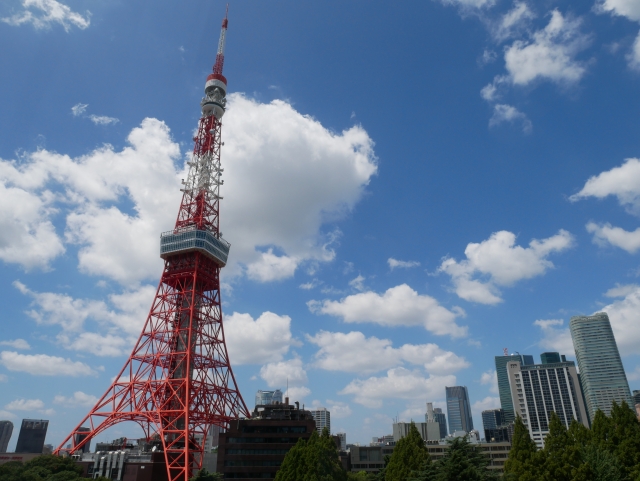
{"type": "Point", "coordinates": [492, 418]}
{"type": "Point", "coordinates": [503, 382]}
{"type": "Point", "coordinates": [32, 434]}
{"type": "Point", "coordinates": [601, 372]}
{"type": "Point", "coordinates": [541, 389]}
{"type": "Point", "coordinates": [343, 441]}
{"type": "Point", "coordinates": [550, 358]}
{"type": "Point", "coordinates": [458, 409]}
{"type": "Point", "coordinates": [80, 436]}
{"type": "Point", "coordinates": [264, 398]}
{"type": "Point", "coordinates": [636, 397]}
{"type": "Point", "coordinates": [436, 415]}
{"type": "Point", "coordinates": [6, 429]}
{"type": "Point", "coordinates": [322, 417]}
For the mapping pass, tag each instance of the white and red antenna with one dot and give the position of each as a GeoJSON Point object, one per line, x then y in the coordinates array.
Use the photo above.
{"type": "Point", "coordinates": [506, 351]}
{"type": "Point", "coordinates": [217, 67]}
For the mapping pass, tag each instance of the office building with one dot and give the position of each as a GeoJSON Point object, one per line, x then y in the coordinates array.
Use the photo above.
{"type": "Point", "coordinates": [343, 441]}
{"type": "Point", "coordinates": [32, 434]}
{"type": "Point", "coordinates": [601, 372]}
{"type": "Point", "coordinates": [458, 409]}
{"type": "Point", "coordinates": [254, 448]}
{"type": "Point", "coordinates": [636, 397]}
{"type": "Point", "coordinates": [551, 357]}
{"type": "Point", "coordinates": [322, 417]}
{"type": "Point", "coordinates": [436, 415]}
{"type": "Point", "coordinates": [503, 382]}
{"type": "Point", "coordinates": [541, 389]}
{"type": "Point", "coordinates": [494, 425]}
{"type": "Point", "coordinates": [80, 436]}
{"type": "Point", "coordinates": [268, 397]}
{"type": "Point", "coordinates": [429, 431]}
{"type": "Point", "coordinates": [6, 429]}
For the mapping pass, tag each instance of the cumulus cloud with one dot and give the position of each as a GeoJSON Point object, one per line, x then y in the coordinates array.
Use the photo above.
{"type": "Point", "coordinates": [502, 263]}
{"type": "Point", "coordinates": [398, 306]}
{"type": "Point", "coordinates": [265, 339]}
{"type": "Point", "coordinates": [103, 119]}
{"type": "Point", "coordinates": [297, 393]}
{"type": "Point", "coordinates": [555, 336]}
{"type": "Point", "coordinates": [393, 263]}
{"type": "Point", "coordinates": [486, 404]}
{"type": "Point", "coordinates": [624, 314]}
{"type": "Point", "coordinates": [79, 399]}
{"type": "Point", "coordinates": [399, 383]}
{"type": "Point", "coordinates": [606, 234]}
{"type": "Point", "coordinates": [357, 283]}
{"type": "Point", "coordinates": [25, 405]}
{"type": "Point", "coordinates": [512, 22]}
{"type": "Point", "coordinates": [491, 378]}
{"type": "Point", "coordinates": [117, 199]}
{"type": "Point", "coordinates": [278, 374]}
{"type": "Point", "coordinates": [16, 344]}
{"type": "Point", "coordinates": [467, 5]}
{"type": "Point", "coordinates": [623, 8]}
{"type": "Point", "coordinates": [550, 53]}
{"type": "Point", "coordinates": [623, 182]}
{"type": "Point", "coordinates": [44, 365]}
{"type": "Point", "coordinates": [79, 109]}
{"type": "Point", "coordinates": [507, 113]}
{"type": "Point", "coordinates": [43, 13]}
{"type": "Point", "coordinates": [353, 352]}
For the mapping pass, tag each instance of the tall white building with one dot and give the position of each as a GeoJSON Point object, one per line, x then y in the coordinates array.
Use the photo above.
{"type": "Point", "coordinates": [322, 417]}
{"type": "Point", "coordinates": [538, 390]}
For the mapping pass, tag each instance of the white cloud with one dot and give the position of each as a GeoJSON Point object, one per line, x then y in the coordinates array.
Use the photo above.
{"type": "Point", "coordinates": [624, 314]}
{"type": "Point", "coordinates": [353, 352]}
{"type": "Point", "coordinates": [338, 409]}
{"type": "Point", "coordinates": [79, 399]}
{"type": "Point", "coordinates": [79, 109]}
{"type": "Point", "coordinates": [4, 378]}
{"type": "Point", "coordinates": [399, 383]}
{"type": "Point", "coordinates": [16, 344]}
{"type": "Point", "coordinates": [507, 113]}
{"type": "Point", "coordinates": [623, 8]}
{"type": "Point", "coordinates": [512, 21]}
{"type": "Point", "coordinates": [393, 263]}
{"type": "Point", "coordinates": [297, 393]}
{"type": "Point", "coordinates": [6, 414]}
{"type": "Point", "coordinates": [633, 57]}
{"type": "Point", "coordinates": [622, 182]}
{"type": "Point", "coordinates": [42, 13]}
{"type": "Point", "coordinates": [503, 262]}
{"type": "Point", "coordinates": [491, 378]}
{"type": "Point", "coordinates": [278, 374]}
{"type": "Point", "coordinates": [549, 54]}
{"type": "Point", "coordinates": [604, 234]}
{"type": "Point", "coordinates": [357, 283]}
{"type": "Point", "coordinates": [265, 339]}
{"type": "Point", "coordinates": [555, 338]}
{"type": "Point", "coordinates": [44, 365]}
{"type": "Point", "coordinates": [487, 403]}
{"type": "Point", "coordinates": [103, 119]}
{"type": "Point", "coordinates": [469, 4]}
{"type": "Point", "coordinates": [118, 202]}
{"type": "Point", "coordinates": [25, 405]}
{"type": "Point", "coordinates": [307, 286]}
{"type": "Point", "coordinates": [398, 306]}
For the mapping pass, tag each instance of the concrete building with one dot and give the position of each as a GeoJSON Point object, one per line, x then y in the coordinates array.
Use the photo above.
{"type": "Point", "coordinates": [32, 435]}
{"type": "Point", "coordinates": [6, 429]}
{"type": "Point", "coordinates": [254, 448]}
{"type": "Point", "coordinates": [503, 382]}
{"type": "Point", "coordinates": [601, 372]}
{"type": "Point", "coordinates": [322, 417]}
{"type": "Point", "coordinates": [429, 431]}
{"type": "Point", "coordinates": [459, 409]}
{"type": "Point", "coordinates": [436, 417]}
{"type": "Point", "coordinates": [541, 389]}
{"type": "Point", "coordinates": [492, 421]}
{"type": "Point", "coordinates": [636, 397]}
{"type": "Point", "coordinates": [123, 465]}
{"type": "Point", "coordinates": [268, 397]}
{"type": "Point", "coordinates": [79, 437]}
{"type": "Point", "coordinates": [343, 441]}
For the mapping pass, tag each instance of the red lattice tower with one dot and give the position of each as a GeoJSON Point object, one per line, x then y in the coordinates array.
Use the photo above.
{"type": "Point", "coordinates": [178, 382]}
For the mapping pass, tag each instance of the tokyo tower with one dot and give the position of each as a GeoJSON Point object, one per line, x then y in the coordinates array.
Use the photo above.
{"type": "Point", "coordinates": [178, 382]}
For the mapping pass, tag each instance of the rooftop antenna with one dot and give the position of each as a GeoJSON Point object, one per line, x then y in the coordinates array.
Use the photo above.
{"type": "Point", "coordinates": [506, 351]}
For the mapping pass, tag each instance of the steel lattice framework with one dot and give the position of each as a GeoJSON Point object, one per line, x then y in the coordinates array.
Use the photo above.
{"type": "Point", "coordinates": [178, 382]}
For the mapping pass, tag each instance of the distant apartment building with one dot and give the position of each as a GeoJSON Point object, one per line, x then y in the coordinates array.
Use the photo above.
{"type": "Point", "coordinates": [636, 397]}
{"type": "Point", "coordinates": [6, 429]}
{"type": "Point", "coordinates": [264, 398]}
{"type": "Point", "coordinates": [601, 372]}
{"type": "Point", "coordinates": [32, 435]}
{"type": "Point", "coordinates": [541, 389]}
{"type": "Point", "coordinates": [429, 431]}
{"type": "Point", "coordinates": [503, 382]}
{"type": "Point", "coordinates": [343, 441]}
{"type": "Point", "coordinates": [322, 417]}
{"type": "Point", "coordinates": [493, 423]}
{"type": "Point", "coordinates": [458, 409]}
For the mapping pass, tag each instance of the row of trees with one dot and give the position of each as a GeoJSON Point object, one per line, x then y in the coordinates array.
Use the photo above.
{"type": "Point", "coordinates": [43, 468]}
{"type": "Point", "coordinates": [609, 451]}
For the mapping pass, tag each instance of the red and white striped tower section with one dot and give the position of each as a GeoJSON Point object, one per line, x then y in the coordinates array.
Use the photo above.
{"type": "Point", "coordinates": [178, 382]}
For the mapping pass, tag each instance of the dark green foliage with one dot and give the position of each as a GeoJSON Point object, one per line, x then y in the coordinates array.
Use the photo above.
{"type": "Point", "coordinates": [361, 476]}
{"type": "Point", "coordinates": [312, 460]}
{"type": "Point", "coordinates": [42, 468]}
{"type": "Point", "coordinates": [426, 472]}
{"type": "Point", "coordinates": [204, 475]}
{"type": "Point", "coordinates": [463, 460]}
{"type": "Point", "coordinates": [523, 458]}
{"type": "Point", "coordinates": [408, 456]}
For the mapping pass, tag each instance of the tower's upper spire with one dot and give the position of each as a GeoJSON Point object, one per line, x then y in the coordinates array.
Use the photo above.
{"type": "Point", "coordinates": [217, 67]}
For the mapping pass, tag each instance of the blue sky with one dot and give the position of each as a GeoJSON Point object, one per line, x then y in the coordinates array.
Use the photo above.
{"type": "Point", "coordinates": [409, 189]}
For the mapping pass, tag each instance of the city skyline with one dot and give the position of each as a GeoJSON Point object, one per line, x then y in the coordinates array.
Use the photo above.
{"type": "Point", "coordinates": [502, 185]}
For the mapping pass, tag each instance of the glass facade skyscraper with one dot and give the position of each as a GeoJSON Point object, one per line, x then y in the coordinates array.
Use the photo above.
{"type": "Point", "coordinates": [503, 382]}
{"type": "Point", "coordinates": [601, 372]}
{"type": "Point", "coordinates": [264, 398]}
{"type": "Point", "coordinates": [6, 429]}
{"type": "Point", "coordinates": [458, 409]}
{"type": "Point", "coordinates": [32, 435]}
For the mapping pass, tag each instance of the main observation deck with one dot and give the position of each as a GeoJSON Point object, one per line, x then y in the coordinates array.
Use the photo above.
{"type": "Point", "coordinates": [194, 240]}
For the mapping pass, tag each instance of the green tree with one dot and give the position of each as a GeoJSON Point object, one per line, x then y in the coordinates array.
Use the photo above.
{"type": "Point", "coordinates": [463, 460]}
{"type": "Point", "coordinates": [521, 465]}
{"type": "Point", "coordinates": [427, 472]}
{"type": "Point", "coordinates": [561, 457]}
{"type": "Point", "coordinates": [204, 475]}
{"type": "Point", "coordinates": [361, 476]}
{"type": "Point", "coordinates": [625, 439]}
{"type": "Point", "coordinates": [408, 456]}
{"type": "Point", "coordinates": [312, 460]}
{"type": "Point", "coordinates": [54, 464]}
{"type": "Point", "coordinates": [597, 465]}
